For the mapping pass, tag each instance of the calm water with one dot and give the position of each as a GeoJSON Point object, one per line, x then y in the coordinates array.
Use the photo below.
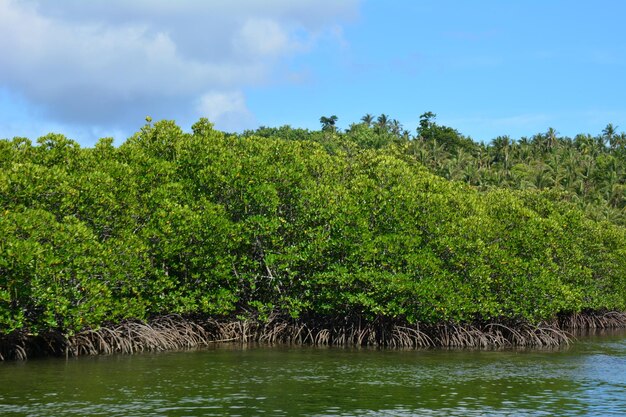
{"type": "Point", "coordinates": [588, 378]}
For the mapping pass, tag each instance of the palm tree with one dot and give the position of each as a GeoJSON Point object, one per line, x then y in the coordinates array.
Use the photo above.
{"type": "Point", "coordinates": [328, 123]}
{"type": "Point", "coordinates": [551, 138]}
{"type": "Point", "coordinates": [587, 168]}
{"type": "Point", "coordinates": [523, 149]}
{"type": "Point", "coordinates": [438, 155]}
{"type": "Point", "coordinates": [458, 165]}
{"type": "Point", "coordinates": [544, 142]}
{"type": "Point", "coordinates": [543, 175]}
{"type": "Point", "coordinates": [367, 119]}
{"type": "Point", "coordinates": [502, 148]}
{"type": "Point", "coordinates": [571, 166]}
{"type": "Point", "coordinates": [382, 123]}
{"type": "Point", "coordinates": [619, 141]}
{"type": "Point", "coordinates": [558, 164]}
{"type": "Point", "coordinates": [584, 144]}
{"type": "Point", "coordinates": [609, 134]}
{"type": "Point", "coordinates": [396, 127]}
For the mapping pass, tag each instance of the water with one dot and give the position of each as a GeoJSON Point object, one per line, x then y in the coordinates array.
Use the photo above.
{"type": "Point", "coordinates": [588, 378]}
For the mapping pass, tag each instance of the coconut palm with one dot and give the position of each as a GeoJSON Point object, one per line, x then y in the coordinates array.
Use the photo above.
{"type": "Point", "coordinates": [328, 123]}
{"type": "Point", "coordinates": [367, 119]}
{"type": "Point", "coordinates": [396, 127]}
{"type": "Point", "coordinates": [502, 147]}
{"type": "Point", "coordinates": [382, 123]}
{"type": "Point", "coordinates": [609, 134]}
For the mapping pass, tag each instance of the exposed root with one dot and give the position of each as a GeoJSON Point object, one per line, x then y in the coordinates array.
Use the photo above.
{"type": "Point", "coordinates": [164, 333]}
{"type": "Point", "coordinates": [494, 335]}
{"type": "Point", "coordinates": [593, 320]}
{"type": "Point", "coordinates": [13, 347]}
{"type": "Point", "coordinates": [175, 333]}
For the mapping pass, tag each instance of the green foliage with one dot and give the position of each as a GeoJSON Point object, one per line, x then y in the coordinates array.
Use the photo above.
{"type": "Point", "coordinates": [448, 138]}
{"type": "Point", "coordinates": [358, 224]}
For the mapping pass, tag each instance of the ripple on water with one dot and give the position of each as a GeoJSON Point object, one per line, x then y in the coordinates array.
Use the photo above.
{"type": "Point", "coordinates": [589, 379]}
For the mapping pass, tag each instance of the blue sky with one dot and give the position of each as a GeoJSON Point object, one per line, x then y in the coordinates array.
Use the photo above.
{"type": "Point", "coordinates": [487, 68]}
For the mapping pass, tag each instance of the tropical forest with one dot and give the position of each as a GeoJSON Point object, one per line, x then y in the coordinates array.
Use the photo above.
{"type": "Point", "coordinates": [370, 235]}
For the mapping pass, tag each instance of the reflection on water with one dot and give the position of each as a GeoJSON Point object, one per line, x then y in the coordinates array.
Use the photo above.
{"type": "Point", "coordinates": [588, 378]}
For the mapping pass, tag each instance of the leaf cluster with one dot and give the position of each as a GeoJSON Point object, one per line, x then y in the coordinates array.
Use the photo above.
{"type": "Point", "coordinates": [308, 224]}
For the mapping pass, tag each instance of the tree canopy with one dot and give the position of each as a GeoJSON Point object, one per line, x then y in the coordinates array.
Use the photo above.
{"type": "Point", "coordinates": [369, 223]}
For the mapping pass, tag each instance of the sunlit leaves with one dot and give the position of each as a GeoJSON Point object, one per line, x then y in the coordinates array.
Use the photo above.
{"type": "Point", "coordinates": [305, 224]}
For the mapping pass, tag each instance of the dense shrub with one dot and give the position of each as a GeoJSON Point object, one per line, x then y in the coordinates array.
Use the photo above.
{"type": "Point", "coordinates": [296, 222]}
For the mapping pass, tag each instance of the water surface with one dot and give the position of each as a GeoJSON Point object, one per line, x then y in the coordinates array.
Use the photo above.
{"type": "Point", "coordinates": [588, 378]}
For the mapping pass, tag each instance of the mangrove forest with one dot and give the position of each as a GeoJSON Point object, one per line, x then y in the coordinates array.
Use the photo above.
{"type": "Point", "coordinates": [372, 235]}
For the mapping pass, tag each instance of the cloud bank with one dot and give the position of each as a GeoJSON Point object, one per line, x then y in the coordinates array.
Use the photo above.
{"type": "Point", "coordinates": [111, 62]}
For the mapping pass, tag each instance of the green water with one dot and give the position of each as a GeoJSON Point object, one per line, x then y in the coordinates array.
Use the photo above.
{"type": "Point", "coordinates": [588, 378]}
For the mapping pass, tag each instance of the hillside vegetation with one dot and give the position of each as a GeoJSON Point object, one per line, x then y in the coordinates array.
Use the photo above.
{"type": "Point", "coordinates": [372, 224]}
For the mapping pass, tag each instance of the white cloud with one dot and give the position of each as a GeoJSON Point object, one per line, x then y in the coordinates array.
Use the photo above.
{"type": "Point", "coordinates": [224, 108]}
{"type": "Point", "coordinates": [262, 37]}
{"type": "Point", "coordinates": [110, 62]}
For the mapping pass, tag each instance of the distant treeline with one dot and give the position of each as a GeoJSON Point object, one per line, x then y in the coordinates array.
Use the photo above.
{"type": "Point", "coordinates": [372, 224]}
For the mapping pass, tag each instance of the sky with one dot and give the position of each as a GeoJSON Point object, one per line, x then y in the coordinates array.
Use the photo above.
{"type": "Point", "coordinates": [93, 69]}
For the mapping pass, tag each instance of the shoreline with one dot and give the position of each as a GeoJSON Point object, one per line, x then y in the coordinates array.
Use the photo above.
{"type": "Point", "coordinates": [175, 332]}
